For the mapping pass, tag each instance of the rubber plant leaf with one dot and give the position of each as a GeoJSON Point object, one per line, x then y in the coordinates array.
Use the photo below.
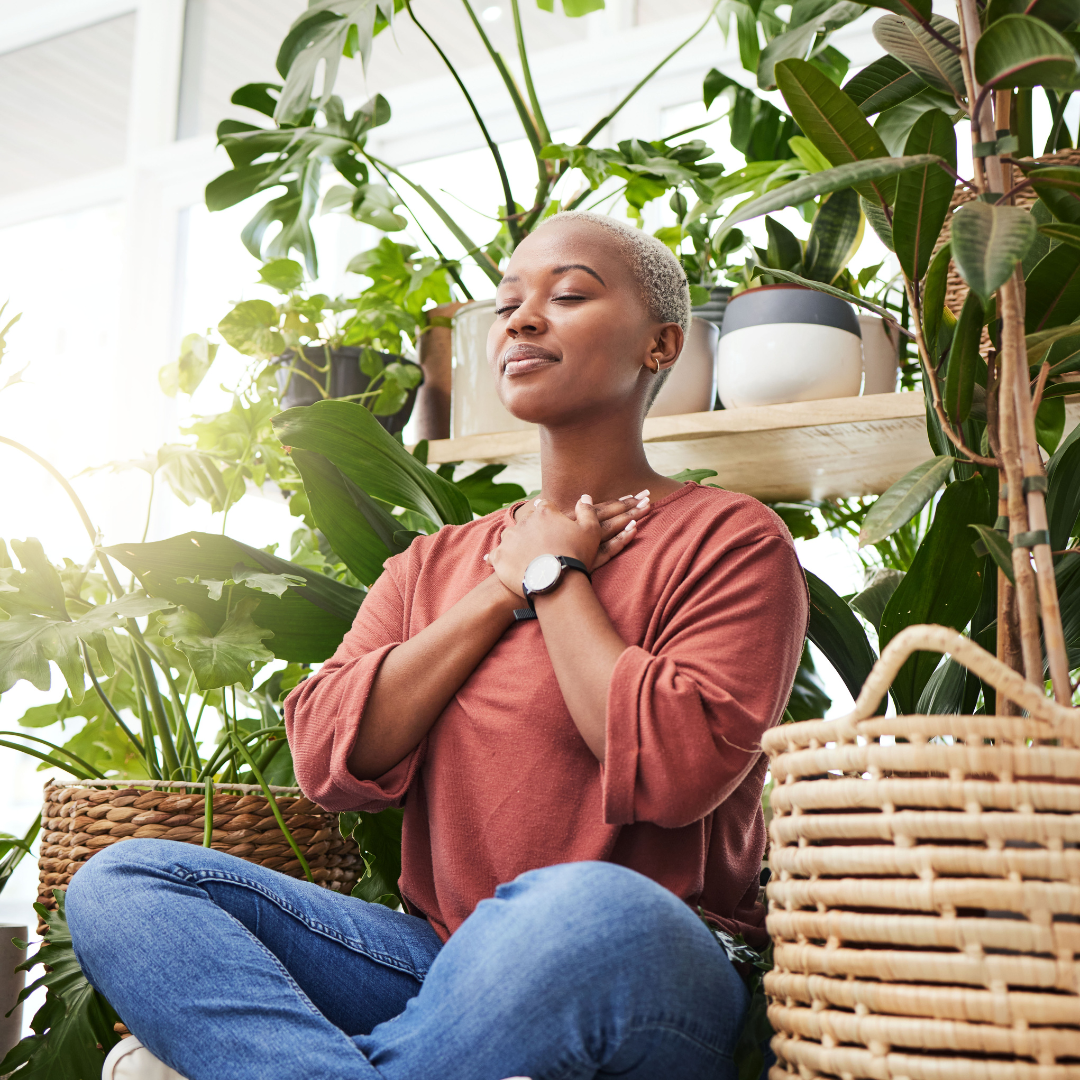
{"type": "Point", "coordinates": [1050, 417]}
{"type": "Point", "coordinates": [1060, 14]}
{"type": "Point", "coordinates": [308, 621]}
{"type": "Point", "coordinates": [349, 436]}
{"type": "Point", "coordinates": [1039, 345]}
{"type": "Point", "coordinates": [836, 631]}
{"type": "Point", "coordinates": [1053, 290]}
{"type": "Point", "coordinates": [1059, 188]}
{"type": "Point", "coordinates": [1063, 494]}
{"type": "Point", "coordinates": [922, 195]}
{"type": "Point", "coordinates": [810, 187]}
{"type": "Point", "coordinates": [73, 1030]}
{"type": "Point", "coordinates": [834, 236]}
{"type": "Point", "coordinates": [998, 548]}
{"type": "Point", "coordinates": [870, 603]}
{"type": "Point", "coordinates": [923, 52]}
{"type": "Point", "coordinates": [987, 243]}
{"type": "Point", "coordinates": [1022, 51]}
{"type": "Point", "coordinates": [882, 84]}
{"type": "Point", "coordinates": [937, 280]}
{"type": "Point", "coordinates": [342, 521]}
{"type": "Point", "coordinates": [795, 43]}
{"type": "Point", "coordinates": [833, 123]}
{"type": "Point", "coordinates": [964, 360]}
{"type": "Point", "coordinates": [943, 584]}
{"type": "Point", "coordinates": [904, 499]}
{"type": "Point", "coordinates": [224, 657]}
{"type": "Point", "coordinates": [912, 9]}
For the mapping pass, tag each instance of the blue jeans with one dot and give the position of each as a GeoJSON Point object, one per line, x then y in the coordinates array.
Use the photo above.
{"type": "Point", "coordinates": [230, 971]}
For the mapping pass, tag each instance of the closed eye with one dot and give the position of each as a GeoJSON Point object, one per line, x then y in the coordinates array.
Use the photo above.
{"type": "Point", "coordinates": [505, 309]}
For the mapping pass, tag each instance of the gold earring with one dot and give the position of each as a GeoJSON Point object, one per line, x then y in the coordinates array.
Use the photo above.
{"type": "Point", "coordinates": [656, 360]}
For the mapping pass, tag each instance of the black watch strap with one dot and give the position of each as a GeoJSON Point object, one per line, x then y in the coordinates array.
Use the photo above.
{"type": "Point", "coordinates": [568, 563]}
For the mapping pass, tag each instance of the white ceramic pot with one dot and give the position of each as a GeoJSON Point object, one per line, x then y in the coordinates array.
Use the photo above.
{"type": "Point", "coordinates": [787, 343]}
{"type": "Point", "coordinates": [11, 985]}
{"type": "Point", "coordinates": [691, 386]}
{"type": "Point", "coordinates": [881, 355]}
{"type": "Point", "coordinates": [475, 408]}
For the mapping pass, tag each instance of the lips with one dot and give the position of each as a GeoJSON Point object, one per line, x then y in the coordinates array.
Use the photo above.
{"type": "Point", "coordinates": [521, 359]}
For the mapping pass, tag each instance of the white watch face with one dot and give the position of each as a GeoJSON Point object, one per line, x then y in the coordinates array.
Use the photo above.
{"type": "Point", "coordinates": [542, 573]}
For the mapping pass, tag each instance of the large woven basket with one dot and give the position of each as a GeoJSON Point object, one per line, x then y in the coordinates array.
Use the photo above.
{"type": "Point", "coordinates": [82, 819]}
{"type": "Point", "coordinates": [925, 904]}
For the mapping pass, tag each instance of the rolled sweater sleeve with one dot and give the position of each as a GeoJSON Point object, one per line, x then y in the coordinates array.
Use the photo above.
{"type": "Point", "coordinates": [322, 714]}
{"type": "Point", "coordinates": [686, 715]}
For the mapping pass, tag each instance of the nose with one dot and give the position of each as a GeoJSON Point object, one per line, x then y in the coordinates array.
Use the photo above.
{"type": "Point", "coordinates": [525, 320]}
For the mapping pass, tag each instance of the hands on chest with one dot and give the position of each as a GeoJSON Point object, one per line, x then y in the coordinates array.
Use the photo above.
{"type": "Point", "coordinates": [593, 535]}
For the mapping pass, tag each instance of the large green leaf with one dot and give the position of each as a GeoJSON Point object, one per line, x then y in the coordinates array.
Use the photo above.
{"type": "Point", "coordinates": [879, 221]}
{"type": "Point", "coordinates": [349, 436]}
{"type": "Point", "coordinates": [810, 187]}
{"type": "Point", "coordinates": [870, 603]}
{"type": "Point", "coordinates": [987, 243]}
{"type": "Point", "coordinates": [835, 234]}
{"type": "Point", "coordinates": [882, 84]}
{"type": "Point", "coordinates": [341, 520]}
{"type": "Point", "coordinates": [1063, 496]}
{"type": "Point", "coordinates": [1019, 51]}
{"type": "Point", "coordinates": [943, 584]}
{"type": "Point", "coordinates": [836, 631]}
{"type": "Point", "coordinates": [808, 700]}
{"type": "Point", "coordinates": [833, 123]}
{"type": "Point", "coordinates": [922, 195]}
{"type": "Point", "coordinates": [379, 838]}
{"type": "Point", "coordinates": [795, 43]}
{"type": "Point", "coordinates": [308, 621]}
{"type": "Point", "coordinates": [1060, 14]}
{"type": "Point", "coordinates": [897, 506]}
{"type": "Point", "coordinates": [784, 251]}
{"type": "Point", "coordinates": [222, 657]}
{"type": "Point", "coordinates": [926, 54]}
{"type": "Point", "coordinates": [73, 1030]}
{"type": "Point", "coordinates": [1053, 290]}
{"type": "Point", "coordinates": [998, 548]}
{"type": "Point", "coordinates": [484, 495]}
{"type": "Point", "coordinates": [937, 280]}
{"type": "Point", "coordinates": [895, 124]}
{"type": "Point", "coordinates": [964, 360]}
{"type": "Point", "coordinates": [1059, 188]}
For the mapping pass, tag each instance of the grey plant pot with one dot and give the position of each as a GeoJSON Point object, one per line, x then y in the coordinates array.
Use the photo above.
{"type": "Point", "coordinates": [11, 985]}
{"type": "Point", "coordinates": [346, 379]}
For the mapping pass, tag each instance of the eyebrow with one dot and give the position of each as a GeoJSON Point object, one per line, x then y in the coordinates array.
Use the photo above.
{"type": "Point", "coordinates": [562, 270]}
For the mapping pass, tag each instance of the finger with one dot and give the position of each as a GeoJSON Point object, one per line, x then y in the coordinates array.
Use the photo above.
{"type": "Point", "coordinates": [585, 512]}
{"type": "Point", "coordinates": [620, 521]}
{"type": "Point", "coordinates": [610, 548]}
{"type": "Point", "coordinates": [609, 509]}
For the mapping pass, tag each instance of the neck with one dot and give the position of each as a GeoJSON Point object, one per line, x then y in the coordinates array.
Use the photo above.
{"type": "Point", "coordinates": [603, 458]}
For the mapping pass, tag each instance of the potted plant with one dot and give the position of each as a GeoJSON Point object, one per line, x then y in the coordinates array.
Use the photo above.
{"type": "Point", "coordinates": [12, 978]}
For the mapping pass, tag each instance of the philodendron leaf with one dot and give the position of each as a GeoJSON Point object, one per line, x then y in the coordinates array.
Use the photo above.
{"type": "Point", "coordinates": [379, 839]}
{"type": "Point", "coordinates": [926, 54]}
{"type": "Point", "coordinates": [833, 123]}
{"type": "Point", "coordinates": [1020, 51]}
{"type": "Point", "coordinates": [870, 603]}
{"type": "Point", "coordinates": [997, 547]}
{"type": "Point", "coordinates": [252, 328]}
{"type": "Point", "coordinates": [275, 584]}
{"type": "Point", "coordinates": [73, 1029]}
{"type": "Point", "coordinates": [922, 195]}
{"type": "Point", "coordinates": [987, 243]}
{"type": "Point", "coordinates": [963, 360]}
{"type": "Point", "coordinates": [942, 585]}
{"type": "Point", "coordinates": [882, 84]}
{"type": "Point", "coordinates": [222, 658]}
{"type": "Point", "coordinates": [897, 506]}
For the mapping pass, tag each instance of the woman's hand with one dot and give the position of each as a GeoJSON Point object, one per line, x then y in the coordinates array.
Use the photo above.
{"type": "Point", "coordinates": [592, 534]}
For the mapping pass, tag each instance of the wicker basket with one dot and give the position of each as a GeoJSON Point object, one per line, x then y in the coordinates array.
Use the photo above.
{"type": "Point", "coordinates": [925, 904]}
{"type": "Point", "coordinates": [79, 820]}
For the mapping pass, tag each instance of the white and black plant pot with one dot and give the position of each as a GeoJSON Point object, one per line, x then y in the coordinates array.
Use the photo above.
{"type": "Point", "coordinates": [346, 380]}
{"type": "Point", "coordinates": [784, 343]}
{"type": "Point", "coordinates": [11, 984]}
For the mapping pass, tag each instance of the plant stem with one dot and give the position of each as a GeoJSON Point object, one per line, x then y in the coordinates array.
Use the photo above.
{"type": "Point", "coordinates": [157, 707]}
{"type": "Point", "coordinates": [508, 195]}
{"type": "Point", "coordinates": [109, 705]}
{"type": "Point", "coordinates": [523, 56]}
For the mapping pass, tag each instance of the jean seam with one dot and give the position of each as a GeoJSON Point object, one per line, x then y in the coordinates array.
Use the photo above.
{"type": "Point", "coordinates": [676, 1024]}
{"type": "Point", "coordinates": [320, 928]}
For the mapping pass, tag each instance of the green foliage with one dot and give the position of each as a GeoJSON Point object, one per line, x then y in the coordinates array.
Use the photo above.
{"type": "Point", "coordinates": [1021, 50]}
{"type": "Point", "coordinates": [73, 1030]}
{"type": "Point", "coordinates": [808, 700]}
{"type": "Point", "coordinates": [964, 360]}
{"type": "Point", "coordinates": [905, 499]}
{"type": "Point", "coordinates": [379, 838]}
{"type": "Point", "coordinates": [14, 848]}
{"type": "Point", "coordinates": [883, 83]}
{"type": "Point", "coordinates": [987, 243]}
{"type": "Point", "coordinates": [931, 56]}
{"type": "Point", "coordinates": [185, 374]}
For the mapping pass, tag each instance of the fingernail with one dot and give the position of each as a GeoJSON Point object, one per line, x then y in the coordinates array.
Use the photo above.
{"type": "Point", "coordinates": [631, 527]}
{"type": "Point", "coordinates": [537, 502]}
{"type": "Point", "coordinates": [485, 558]}
{"type": "Point", "coordinates": [641, 505]}
{"type": "Point", "coordinates": [642, 494]}
{"type": "Point", "coordinates": [587, 499]}
{"type": "Point", "coordinates": [626, 498]}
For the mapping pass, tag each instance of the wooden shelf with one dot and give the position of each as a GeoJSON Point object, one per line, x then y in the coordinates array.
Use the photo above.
{"type": "Point", "coordinates": [802, 450]}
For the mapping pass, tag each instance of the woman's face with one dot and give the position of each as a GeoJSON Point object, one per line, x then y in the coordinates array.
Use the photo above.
{"type": "Point", "coordinates": [572, 334]}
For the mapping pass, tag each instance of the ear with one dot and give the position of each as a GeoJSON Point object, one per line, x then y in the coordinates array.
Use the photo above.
{"type": "Point", "coordinates": [666, 344]}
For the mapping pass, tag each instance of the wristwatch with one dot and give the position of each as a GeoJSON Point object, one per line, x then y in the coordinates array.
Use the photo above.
{"type": "Point", "coordinates": [545, 572]}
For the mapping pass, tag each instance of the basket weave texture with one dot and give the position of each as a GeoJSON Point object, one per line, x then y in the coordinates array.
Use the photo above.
{"type": "Point", "coordinates": [80, 820]}
{"type": "Point", "coordinates": [925, 908]}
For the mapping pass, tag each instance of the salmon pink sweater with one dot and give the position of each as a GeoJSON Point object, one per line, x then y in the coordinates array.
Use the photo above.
{"type": "Point", "coordinates": [713, 606]}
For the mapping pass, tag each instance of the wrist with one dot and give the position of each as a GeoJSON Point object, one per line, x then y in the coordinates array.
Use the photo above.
{"type": "Point", "coordinates": [499, 599]}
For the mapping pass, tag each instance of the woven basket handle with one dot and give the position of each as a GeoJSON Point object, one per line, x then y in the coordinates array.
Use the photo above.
{"type": "Point", "coordinates": [964, 651]}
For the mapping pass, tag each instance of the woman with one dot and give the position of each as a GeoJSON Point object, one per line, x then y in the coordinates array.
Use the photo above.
{"type": "Point", "coordinates": [577, 786]}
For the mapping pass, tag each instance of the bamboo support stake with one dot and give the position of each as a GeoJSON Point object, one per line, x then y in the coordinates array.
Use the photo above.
{"type": "Point", "coordinates": [1035, 478]}
{"type": "Point", "coordinates": [1026, 599]}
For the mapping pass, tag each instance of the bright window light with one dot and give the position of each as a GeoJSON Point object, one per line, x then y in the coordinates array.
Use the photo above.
{"type": "Point", "coordinates": [491, 14]}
